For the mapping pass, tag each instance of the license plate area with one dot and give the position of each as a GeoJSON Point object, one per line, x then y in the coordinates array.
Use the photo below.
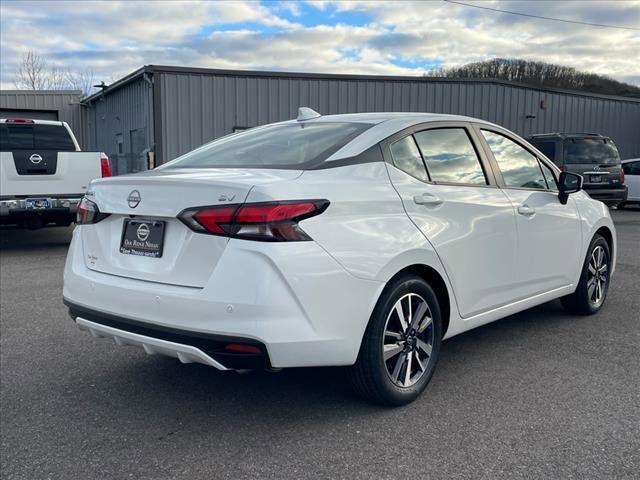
{"type": "Point", "coordinates": [142, 237]}
{"type": "Point", "coordinates": [37, 203]}
{"type": "Point", "coordinates": [595, 178]}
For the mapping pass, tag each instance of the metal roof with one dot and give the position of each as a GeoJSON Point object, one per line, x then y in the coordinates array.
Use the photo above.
{"type": "Point", "coordinates": [150, 69]}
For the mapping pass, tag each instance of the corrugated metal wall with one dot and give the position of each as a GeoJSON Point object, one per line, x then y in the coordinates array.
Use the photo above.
{"type": "Point", "coordinates": [66, 105]}
{"type": "Point", "coordinates": [198, 107]}
{"type": "Point", "coordinates": [118, 116]}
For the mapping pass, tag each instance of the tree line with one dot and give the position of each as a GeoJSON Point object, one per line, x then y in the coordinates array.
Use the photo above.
{"type": "Point", "coordinates": [539, 74]}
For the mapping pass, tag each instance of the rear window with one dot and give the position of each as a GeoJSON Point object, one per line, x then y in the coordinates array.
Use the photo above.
{"type": "Point", "coordinates": [35, 137]}
{"type": "Point", "coordinates": [548, 148]}
{"type": "Point", "coordinates": [294, 146]}
{"type": "Point", "coordinates": [590, 150]}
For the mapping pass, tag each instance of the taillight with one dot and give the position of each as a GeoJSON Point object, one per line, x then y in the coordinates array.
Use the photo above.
{"type": "Point", "coordinates": [563, 168]}
{"type": "Point", "coordinates": [270, 222]}
{"type": "Point", "coordinates": [105, 166]}
{"type": "Point", "coordinates": [19, 120]}
{"type": "Point", "coordinates": [88, 212]}
{"type": "Point", "coordinates": [622, 175]}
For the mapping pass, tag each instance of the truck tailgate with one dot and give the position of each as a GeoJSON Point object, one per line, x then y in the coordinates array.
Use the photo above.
{"type": "Point", "coordinates": [73, 172]}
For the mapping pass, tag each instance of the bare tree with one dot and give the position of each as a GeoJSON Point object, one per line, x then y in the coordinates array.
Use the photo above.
{"type": "Point", "coordinates": [82, 80]}
{"type": "Point", "coordinates": [32, 73]}
{"type": "Point", "coordinates": [35, 73]}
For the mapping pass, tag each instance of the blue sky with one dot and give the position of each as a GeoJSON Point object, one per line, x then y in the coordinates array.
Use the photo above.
{"type": "Point", "coordinates": [114, 38]}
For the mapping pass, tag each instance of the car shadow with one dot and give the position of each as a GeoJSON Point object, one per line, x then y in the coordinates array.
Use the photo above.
{"type": "Point", "coordinates": [13, 238]}
{"type": "Point", "coordinates": [204, 396]}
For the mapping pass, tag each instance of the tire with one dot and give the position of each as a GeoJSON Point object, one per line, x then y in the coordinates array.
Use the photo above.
{"type": "Point", "coordinates": [621, 206]}
{"type": "Point", "coordinates": [585, 300]}
{"type": "Point", "coordinates": [415, 348]}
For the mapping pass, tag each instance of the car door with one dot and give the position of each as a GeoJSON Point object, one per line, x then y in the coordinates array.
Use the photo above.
{"type": "Point", "coordinates": [452, 198]}
{"type": "Point", "coordinates": [549, 233]}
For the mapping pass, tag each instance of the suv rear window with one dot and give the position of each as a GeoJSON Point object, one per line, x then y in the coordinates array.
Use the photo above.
{"type": "Point", "coordinates": [590, 150]}
{"type": "Point", "coordinates": [35, 137]}
{"type": "Point", "coordinates": [548, 148]}
{"type": "Point", "coordinates": [294, 146]}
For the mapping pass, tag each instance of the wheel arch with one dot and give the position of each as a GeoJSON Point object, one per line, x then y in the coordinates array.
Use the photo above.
{"type": "Point", "coordinates": [605, 232]}
{"type": "Point", "coordinates": [436, 282]}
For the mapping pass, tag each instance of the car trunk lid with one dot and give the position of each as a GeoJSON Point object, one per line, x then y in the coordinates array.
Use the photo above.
{"type": "Point", "coordinates": [188, 258]}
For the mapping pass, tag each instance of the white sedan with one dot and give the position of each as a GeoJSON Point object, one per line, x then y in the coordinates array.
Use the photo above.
{"type": "Point", "coordinates": [359, 240]}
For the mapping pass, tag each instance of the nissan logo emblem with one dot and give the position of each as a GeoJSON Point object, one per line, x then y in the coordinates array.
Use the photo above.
{"type": "Point", "coordinates": [35, 159]}
{"type": "Point", "coordinates": [143, 232]}
{"type": "Point", "coordinates": [134, 199]}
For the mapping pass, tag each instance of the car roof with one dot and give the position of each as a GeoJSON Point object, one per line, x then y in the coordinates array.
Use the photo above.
{"type": "Point", "coordinates": [32, 121]}
{"type": "Point", "coordinates": [384, 124]}
{"type": "Point", "coordinates": [381, 117]}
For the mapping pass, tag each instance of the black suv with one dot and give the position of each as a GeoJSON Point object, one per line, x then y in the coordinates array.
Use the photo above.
{"type": "Point", "coordinates": [593, 156]}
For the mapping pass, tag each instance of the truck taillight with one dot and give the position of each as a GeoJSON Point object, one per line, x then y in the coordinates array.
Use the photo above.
{"type": "Point", "coordinates": [105, 166]}
{"type": "Point", "coordinates": [268, 222]}
{"type": "Point", "coordinates": [19, 120]}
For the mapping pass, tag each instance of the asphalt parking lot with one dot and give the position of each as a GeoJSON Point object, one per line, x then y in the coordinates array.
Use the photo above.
{"type": "Point", "coordinates": [540, 394]}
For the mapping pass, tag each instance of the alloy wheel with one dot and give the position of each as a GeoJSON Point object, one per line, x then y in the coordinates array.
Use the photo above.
{"type": "Point", "coordinates": [598, 275]}
{"type": "Point", "coordinates": [408, 340]}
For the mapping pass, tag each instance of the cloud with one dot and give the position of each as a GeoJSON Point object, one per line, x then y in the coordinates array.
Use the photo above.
{"type": "Point", "coordinates": [114, 38]}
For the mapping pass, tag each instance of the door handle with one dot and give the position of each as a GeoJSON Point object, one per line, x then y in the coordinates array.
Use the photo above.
{"type": "Point", "coordinates": [526, 210]}
{"type": "Point", "coordinates": [428, 199]}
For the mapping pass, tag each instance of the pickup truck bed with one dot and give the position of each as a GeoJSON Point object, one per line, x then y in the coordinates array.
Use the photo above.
{"type": "Point", "coordinates": [43, 173]}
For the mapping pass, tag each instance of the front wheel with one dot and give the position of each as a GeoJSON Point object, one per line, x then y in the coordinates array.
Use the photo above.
{"type": "Point", "coordinates": [401, 345]}
{"type": "Point", "coordinates": [594, 280]}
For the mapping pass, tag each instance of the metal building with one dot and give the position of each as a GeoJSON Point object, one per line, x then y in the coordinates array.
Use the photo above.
{"type": "Point", "coordinates": [62, 105]}
{"type": "Point", "coordinates": [171, 110]}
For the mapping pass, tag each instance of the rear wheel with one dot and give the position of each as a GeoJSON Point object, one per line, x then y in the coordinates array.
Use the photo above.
{"type": "Point", "coordinates": [401, 345]}
{"type": "Point", "coordinates": [594, 280]}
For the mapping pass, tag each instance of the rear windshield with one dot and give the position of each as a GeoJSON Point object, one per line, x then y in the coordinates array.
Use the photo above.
{"type": "Point", "coordinates": [35, 137]}
{"type": "Point", "coordinates": [590, 150]}
{"type": "Point", "coordinates": [548, 148]}
{"type": "Point", "coordinates": [294, 146]}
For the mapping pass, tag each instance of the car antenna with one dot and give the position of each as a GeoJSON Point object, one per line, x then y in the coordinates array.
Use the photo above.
{"type": "Point", "coordinates": [306, 113]}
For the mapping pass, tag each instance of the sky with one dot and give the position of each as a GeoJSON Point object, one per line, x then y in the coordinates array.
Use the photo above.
{"type": "Point", "coordinates": [114, 38]}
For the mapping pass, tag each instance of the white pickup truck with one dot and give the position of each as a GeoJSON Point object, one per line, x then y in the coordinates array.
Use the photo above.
{"type": "Point", "coordinates": [43, 173]}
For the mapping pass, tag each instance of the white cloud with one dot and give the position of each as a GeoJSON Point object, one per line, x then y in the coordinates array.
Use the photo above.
{"type": "Point", "coordinates": [114, 38]}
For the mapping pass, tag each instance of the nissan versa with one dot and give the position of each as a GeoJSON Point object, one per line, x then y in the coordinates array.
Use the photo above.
{"type": "Point", "coordinates": [358, 240]}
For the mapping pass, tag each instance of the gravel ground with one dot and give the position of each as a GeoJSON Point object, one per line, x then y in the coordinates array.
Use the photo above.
{"type": "Point", "coordinates": [538, 395]}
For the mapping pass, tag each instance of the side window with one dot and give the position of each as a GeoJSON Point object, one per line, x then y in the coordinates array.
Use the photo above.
{"type": "Point", "coordinates": [450, 156]}
{"type": "Point", "coordinates": [548, 148]}
{"type": "Point", "coordinates": [520, 169]}
{"type": "Point", "coordinates": [407, 158]}
{"type": "Point", "coordinates": [631, 168]}
{"type": "Point", "coordinates": [549, 177]}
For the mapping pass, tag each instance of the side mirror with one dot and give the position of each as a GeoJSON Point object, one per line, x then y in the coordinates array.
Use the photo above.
{"type": "Point", "coordinates": [568, 183]}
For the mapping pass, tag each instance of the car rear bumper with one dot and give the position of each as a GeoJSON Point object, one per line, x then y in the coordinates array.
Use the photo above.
{"type": "Point", "coordinates": [308, 312]}
{"type": "Point", "coordinates": [188, 347]}
{"type": "Point", "coordinates": [610, 196]}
